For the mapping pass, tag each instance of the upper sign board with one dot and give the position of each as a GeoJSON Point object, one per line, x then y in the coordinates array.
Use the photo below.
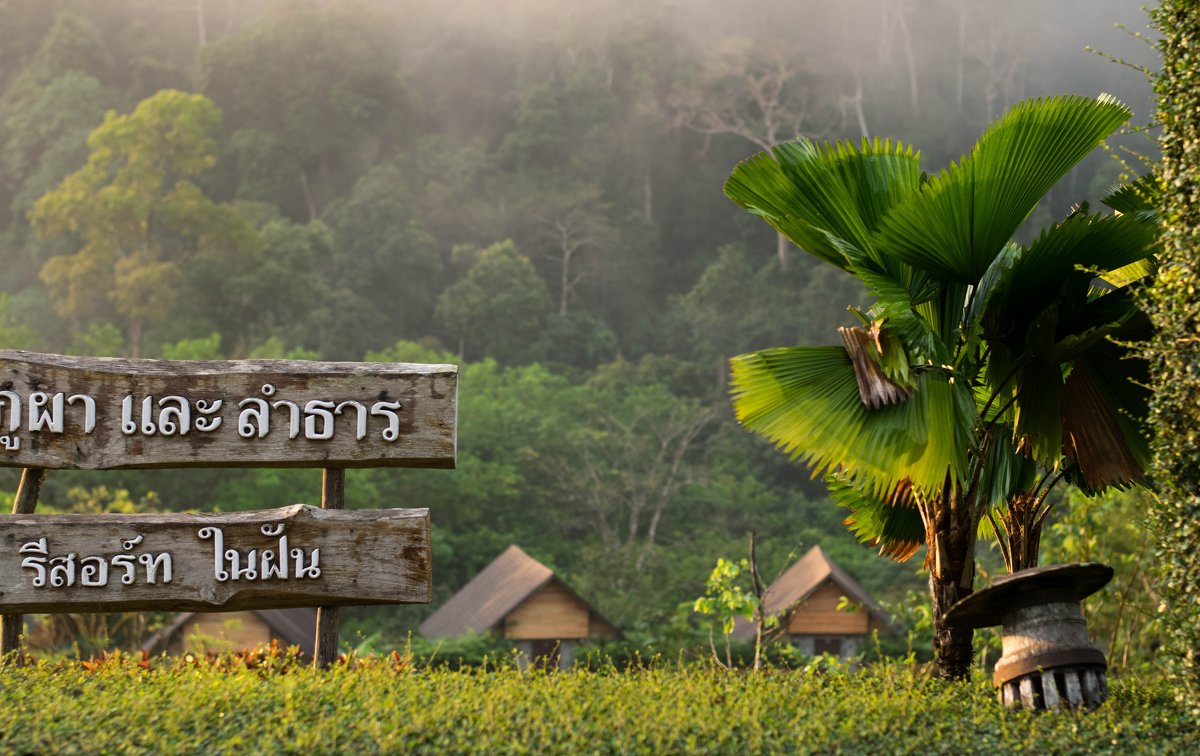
{"type": "Point", "coordinates": [94, 413]}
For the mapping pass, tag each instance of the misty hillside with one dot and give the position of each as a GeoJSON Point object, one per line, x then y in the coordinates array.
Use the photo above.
{"type": "Point", "coordinates": [529, 188]}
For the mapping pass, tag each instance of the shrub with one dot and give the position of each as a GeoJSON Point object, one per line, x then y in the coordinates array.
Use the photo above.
{"type": "Point", "coordinates": [1176, 351]}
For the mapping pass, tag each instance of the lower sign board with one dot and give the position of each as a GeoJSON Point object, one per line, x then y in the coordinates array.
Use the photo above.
{"type": "Point", "coordinates": [272, 558]}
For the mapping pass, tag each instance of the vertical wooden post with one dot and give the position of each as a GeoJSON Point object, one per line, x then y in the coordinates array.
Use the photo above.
{"type": "Point", "coordinates": [25, 502]}
{"type": "Point", "coordinates": [325, 649]}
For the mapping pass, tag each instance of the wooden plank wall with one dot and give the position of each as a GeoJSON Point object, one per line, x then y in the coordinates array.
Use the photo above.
{"type": "Point", "coordinates": [550, 612]}
{"type": "Point", "coordinates": [819, 615]}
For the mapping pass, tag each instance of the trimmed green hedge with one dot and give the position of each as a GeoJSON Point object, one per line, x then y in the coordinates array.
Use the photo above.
{"type": "Point", "coordinates": [1176, 352]}
{"type": "Point", "coordinates": [389, 706]}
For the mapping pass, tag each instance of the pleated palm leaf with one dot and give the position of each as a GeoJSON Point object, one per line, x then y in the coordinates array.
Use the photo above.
{"type": "Point", "coordinates": [949, 399]}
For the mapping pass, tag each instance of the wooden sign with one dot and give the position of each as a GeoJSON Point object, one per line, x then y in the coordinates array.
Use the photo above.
{"type": "Point", "coordinates": [291, 556]}
{"type": "Point", "coordinates": [95, 413]}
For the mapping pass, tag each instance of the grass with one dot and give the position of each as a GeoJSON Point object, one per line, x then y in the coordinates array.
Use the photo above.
{"type": "Point", "coordinates": [386, 704]}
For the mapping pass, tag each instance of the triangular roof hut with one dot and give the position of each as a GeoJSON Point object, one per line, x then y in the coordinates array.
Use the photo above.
{"type": "Point", "coordinates": [521, 598]}
{"type": "Point", "coordinates": [806, 597]}
{"type": "Point", "coordinates": [291, 627]}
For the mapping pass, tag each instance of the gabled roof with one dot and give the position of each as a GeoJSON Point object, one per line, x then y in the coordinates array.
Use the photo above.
{"type": "Point", "coordinates": [492, 594]}
{"type": "Point", "coordinates": [807, 575]}
{"type": "Point", "coordinates": [297, 627]}
{"type": "Point", "coordinates": [801, 580]}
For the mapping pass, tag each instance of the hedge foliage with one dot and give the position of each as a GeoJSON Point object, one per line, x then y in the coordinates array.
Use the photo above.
{"type": "Point", "coordinates": [388, 705]}
{"type": "Point", "coordinates": [1176, 354]}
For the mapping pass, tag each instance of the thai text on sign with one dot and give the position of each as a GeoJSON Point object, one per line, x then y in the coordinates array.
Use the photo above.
{"type": "Point", "coordinates": [290, 556]}
{"type": "Point", "coordinates": [94, 413]}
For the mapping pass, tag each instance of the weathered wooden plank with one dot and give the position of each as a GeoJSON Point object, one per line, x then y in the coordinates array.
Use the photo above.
{"type": "Point", "coordinates": [1074, 691]}
{"type": "Point", "coordinates": [275, 558]}
{"type": "Point", "coordinates": [1050, 695]}
{"type": "Point", "coordinates": [95, 413]}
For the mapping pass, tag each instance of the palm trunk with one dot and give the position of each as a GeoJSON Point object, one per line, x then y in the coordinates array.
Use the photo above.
{"type": "Point", "coordinates": [951, 577]}
{"type": "Point", "coordinates": [1022, 526]}
{"type": "Point", "coordinates": [951, 647]}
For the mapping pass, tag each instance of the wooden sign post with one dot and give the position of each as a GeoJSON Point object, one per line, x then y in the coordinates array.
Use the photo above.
{"type": "Point", "coordinates": [89, 413]}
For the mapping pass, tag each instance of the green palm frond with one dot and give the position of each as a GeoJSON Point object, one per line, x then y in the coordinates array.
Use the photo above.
{"type": "Point", "coordinates": [1104, 415]}
{"type": "Point", "coordinates": [997, 278]}
{"type": "Point", "coordinates": [893, 523]}
{"type": "Point", "coordinates": [1040, 310]}
{"type": "Point", "coordinates": [1005, 471]}
{"type": "Point", "coordinates": [1139, 196]}
{"type": "Point", "coordinates": [1116, 315]}
{"type": "Point", "coordinates": [822, 196]}
{"type": "Point", "coordinates": [806, 400]}
{"type": "Point", "coordinates": [1128, 275]}
{"type": "Point", "coordinates": [957, 225]}
{"type": "Point", "coordinates": [897, 307]}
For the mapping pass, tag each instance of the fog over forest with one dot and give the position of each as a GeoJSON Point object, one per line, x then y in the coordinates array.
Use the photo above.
{"type": "Point", "coordinates": [529, 188]}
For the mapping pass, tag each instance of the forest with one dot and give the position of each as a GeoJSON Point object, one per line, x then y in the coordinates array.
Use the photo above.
{"type": "Point", "coordinates": [531, 190]}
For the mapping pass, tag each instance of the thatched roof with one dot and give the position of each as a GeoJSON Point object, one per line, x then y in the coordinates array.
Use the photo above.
{"type": "Point", "coordinates": [491, 595]}
{"type": "Point", "coordinates": [801, 580]}
{"type": "Point", "coordinates": [297, 627]}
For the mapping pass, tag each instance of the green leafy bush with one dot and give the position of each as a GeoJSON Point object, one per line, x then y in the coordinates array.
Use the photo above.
{"type": "Point", "coordinates": [1176, 351]}
{"type": "Point", "coordinates": [388, 704]}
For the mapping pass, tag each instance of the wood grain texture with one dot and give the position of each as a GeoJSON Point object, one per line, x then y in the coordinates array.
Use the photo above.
{"type": "Point", "coordinates": [552, 612]}
{"type": "Point", "coordinates": [366, 557]}
{"type": "Point", "coordinates": [819, 615]}
{"type": "Point", "coordinates": [43, 413]}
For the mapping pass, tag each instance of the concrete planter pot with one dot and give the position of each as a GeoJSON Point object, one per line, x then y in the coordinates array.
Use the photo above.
{"type": "Point", "coordinates": [1047, 659]}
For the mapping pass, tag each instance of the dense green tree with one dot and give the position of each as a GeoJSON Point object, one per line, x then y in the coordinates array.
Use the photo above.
{"type": "Point", "coordinates": [497, 308]}
{"type": "Point", "coordinates": [735, 307]}
{"type": "Point", "coordinates": [13, 335]}
{"type": "Point", "coordinates": [46, 114]}
{"type": "Point", "coordinates": [140, 220]}
{"type": "Point", "coordinates": [313, 96]}
{"type": "Point", "coordinates": [634, 458]}
{"type": "Point", "coordinates": [280, 287]}
{"type": "Point", "coordinates": [385, 254]}
{"type": "Point", "coordinates": [981, 364]}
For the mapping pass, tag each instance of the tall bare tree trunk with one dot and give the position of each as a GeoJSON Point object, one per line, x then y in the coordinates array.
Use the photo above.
{"type": "Point", "coordinates": [564, 283]}
{"type": "Point", "coordinates": [962, 54]}
{"type": "Point", "coordinates": [781, 250]}
{"type": "Point", "coordinates": [308, 198]}
{"type": "Point", "coordinates": [647, 197]}
{"type": "Point", "coordinates": [908, 56]}
{"type": "Point", "coordinates": [134, 345]}
{"type": "Point", "coordinates": [201, 25]}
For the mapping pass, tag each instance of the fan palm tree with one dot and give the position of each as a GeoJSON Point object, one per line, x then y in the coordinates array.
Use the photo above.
{"type": "Point", "coordinates": [985, 370]}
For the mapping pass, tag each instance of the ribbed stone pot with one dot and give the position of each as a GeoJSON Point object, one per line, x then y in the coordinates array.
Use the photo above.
{"type": "Point", "coordinates": [1047, 659]}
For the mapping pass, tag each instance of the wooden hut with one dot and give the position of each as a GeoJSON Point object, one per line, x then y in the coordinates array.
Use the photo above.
{"type": "Point", "coordinates": [806, 599]}
{"type": "Point", "coordinates": [522, 600]}
{"type": "Point", "coordinates": [235, 631]}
